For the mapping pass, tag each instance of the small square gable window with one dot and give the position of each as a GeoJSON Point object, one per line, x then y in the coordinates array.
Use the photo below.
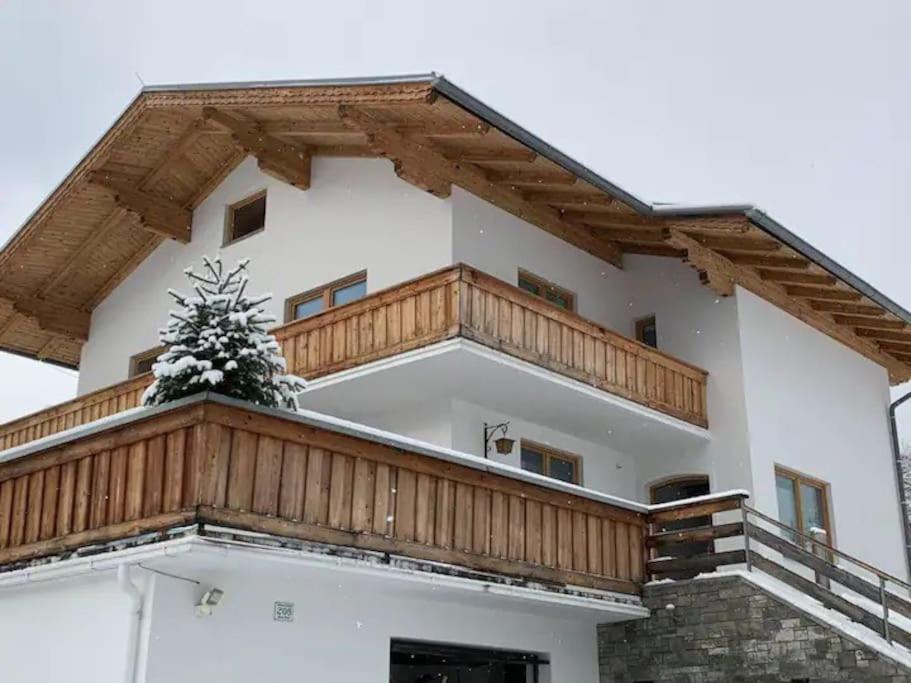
{"type": "Point", "coordinates": [246, 217]}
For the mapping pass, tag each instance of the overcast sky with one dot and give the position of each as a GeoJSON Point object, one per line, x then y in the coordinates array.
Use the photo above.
{"type": "Point", "coordinates": [803, 108]}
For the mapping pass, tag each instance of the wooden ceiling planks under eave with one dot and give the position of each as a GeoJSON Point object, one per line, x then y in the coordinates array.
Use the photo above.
{"type": "Point", "coordinates": [166, 155]}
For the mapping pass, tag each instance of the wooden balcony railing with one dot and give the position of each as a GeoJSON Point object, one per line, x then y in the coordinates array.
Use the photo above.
{"type": "Point", "coordinates": [213, 460]}
{"type": "Point", "coordinates": [456, 302]}
{"type": "Point", "coordinates": [463, 302]}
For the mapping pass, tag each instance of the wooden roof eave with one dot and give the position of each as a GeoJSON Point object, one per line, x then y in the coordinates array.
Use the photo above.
{"type": "Point", "coordinates": [436, 135]}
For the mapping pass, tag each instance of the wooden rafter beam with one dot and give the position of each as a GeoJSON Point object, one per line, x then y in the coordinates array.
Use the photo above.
{"type": "Point", "coordinates": [737, 243]}
{"type": "Point", "coordinates": [820, 293]}
{"type": "Point", "coordinates": [492, 155]}
{"type": "Point", "coordinates": [50, 316]}
{"type": "Point", "coordinates": [777, 295]}
{"type": "Point", "coordinates": [433, 164]}
{"type": "Point", "coordinates": [764, 261]}
{"type": "Point", "coordinates": [797, 278]}
{"type": "Point", "coordinates": [154, 213]}
{"type": "Point", "coordinates": [530, 176]}
{"type": "Point", "coordinates": [872, 323]}
{"type": "Point", "coordinates": [293, 127]}
{"type": "Point", "coordinates": [892, 336]}
{"type": "Point", "coordinates": [718, 279]}
{"type": "Point", "coordinates": [286, 161]}
{"type": "Point", "coordinates": [713, 225]}
{"type": "Point", "coordinates": [849, 309]}
{"type": "Point", "coordinates": [568, 198]}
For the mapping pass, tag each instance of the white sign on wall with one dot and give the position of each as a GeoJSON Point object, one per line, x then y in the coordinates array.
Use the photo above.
{"type": "Point", "coordinates": [283, 611]}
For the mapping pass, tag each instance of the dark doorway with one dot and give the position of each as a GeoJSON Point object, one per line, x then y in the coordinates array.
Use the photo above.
{"type": "Point", "coordinates": [416, 662]}
{"type": "Point", "coordinates": [678, 489]}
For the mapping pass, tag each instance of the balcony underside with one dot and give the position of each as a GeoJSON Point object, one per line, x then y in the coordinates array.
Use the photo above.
{"type": "Point", "coordinates": [465, 370]}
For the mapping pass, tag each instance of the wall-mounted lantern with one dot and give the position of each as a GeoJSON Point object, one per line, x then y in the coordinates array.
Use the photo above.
{"type": "Point", "coordinates": [503, 443]}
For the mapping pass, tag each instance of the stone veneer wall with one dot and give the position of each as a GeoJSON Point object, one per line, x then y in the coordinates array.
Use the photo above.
{"type": "Point", "coordinates": [728, 629]}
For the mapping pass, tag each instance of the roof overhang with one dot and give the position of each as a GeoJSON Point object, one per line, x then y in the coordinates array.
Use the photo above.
{"type": "Point", "coordinates": [173, 144]}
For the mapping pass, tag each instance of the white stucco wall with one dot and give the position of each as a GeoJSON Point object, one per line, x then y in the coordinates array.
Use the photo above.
{"type": "Point", "coordinates": [342, 629]}
{"type": "Point", "coordinates": [697, 326]}
{"type": "Point", "coordinates": [603, 468]}
{"type": "Point", "coordinates": [67, 630]}
{"type": "Point", "coordinates": [498, 243]}
{"type": "Point", "coordinates": [818, 407]}
{"type": "Point", "coordinates": [357, 215]}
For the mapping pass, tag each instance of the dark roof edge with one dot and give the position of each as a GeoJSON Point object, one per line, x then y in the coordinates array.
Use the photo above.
{"type": "Point", "coordinates": [429, 78]}
{"type": "Point", "coordinates": [756, 215]}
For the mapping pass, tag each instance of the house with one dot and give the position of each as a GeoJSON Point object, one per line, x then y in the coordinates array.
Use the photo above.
{"type": "Point", "coordinates": [528, 392]}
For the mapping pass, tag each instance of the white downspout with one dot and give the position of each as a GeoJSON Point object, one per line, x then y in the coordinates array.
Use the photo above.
{"type": "Point", "coordinates": [135, 596]}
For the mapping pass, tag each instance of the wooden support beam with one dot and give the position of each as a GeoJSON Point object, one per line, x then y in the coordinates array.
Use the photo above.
{"type": "Point", "coordinates": [421, 180]}
{"type": "Point", "coordinates": [820, 293]}
{"type": "Point", "coordinates": [849, 309]}
{"type": "Point", "coordinates": [711, 225]}
{"type": "Point", "coordinates": [871, 323]}
{"type": "Point", "coordinates": [283, 160]}
{"type": "Point", "coordinates": [530, 176]}
{"type": "Point", "coordinates": [737, 243]}
{"type": "Point", "coordinates": [894, 347]}
{"type": "Point", "coordinates": [469, 177]}
{"type": "Point", "coordinates": [154, 213]}
{"type": "Point", "coordinates": [568, 198]}
{"type": "Point", "coordinates": [50, 316]}
{"type": "Point", "coordinates": [660, 250]}
{"type": "Point", "coordinates": [801, 309]}
{"type": "Point", "coordinates": [764, 261]}
{"type": "Point", "coordinates": [295, 127]}
{"type": "Point", "coordinates": [794, 277]}
{"type": "Point", "coordinates": [488, 155]}
{"type": "Point", "coordinates": [9, 323]}
{"type": "Point", "coordinates": [903, 337]}
{"type": "Point", "coordinates": [703, 259]}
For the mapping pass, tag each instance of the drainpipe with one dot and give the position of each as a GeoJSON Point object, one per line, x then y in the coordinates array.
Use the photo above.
{"type": "Point", "coordinates": [135, 597]}
{"type": "Point", "coordinates": [899, 478]}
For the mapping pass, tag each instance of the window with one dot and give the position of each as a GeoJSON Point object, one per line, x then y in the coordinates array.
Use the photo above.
{"type": "Point", "coordinates": [142, 363]}
{"type": "Point", "coordinates": [547, 290]}
{"type": "Point", "coordinates": [246, 217]}
{"type": "Point", "coordinates": [803, 502]}
{"type": "Point", "coordinates": [335, 293]}
{"type": "Point", "coordinates": [647, 331]}
{"type": "Point", "coordinates": [551, 463]}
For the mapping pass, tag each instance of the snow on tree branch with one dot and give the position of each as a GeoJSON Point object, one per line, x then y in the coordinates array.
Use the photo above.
{"type": "Point", "coordinates": [218, 340]}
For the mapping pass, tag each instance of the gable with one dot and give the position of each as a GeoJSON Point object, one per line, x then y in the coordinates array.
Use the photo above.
{"type": "Point", "coordinates": [139, 185]}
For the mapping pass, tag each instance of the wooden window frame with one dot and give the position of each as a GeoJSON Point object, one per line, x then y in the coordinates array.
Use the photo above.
{"type": "Point", "coordinates": [641, 324]}
{"type": "Point", "coordinates": [136, 359]}
{"type": "Point", "coordinates": [228, 237]}
{"type": "Point", "coordinates": [548, 452]}
{"type": "Point", "coordinates": [799, 477]}
{"type": "Point", "coordinates": [324, 291]}
{"type": "Point", "coordinates": [547, 284]}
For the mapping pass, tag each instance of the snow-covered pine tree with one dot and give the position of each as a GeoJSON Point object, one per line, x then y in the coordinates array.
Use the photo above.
{"type": "Point", "coordinates": [218, 340]}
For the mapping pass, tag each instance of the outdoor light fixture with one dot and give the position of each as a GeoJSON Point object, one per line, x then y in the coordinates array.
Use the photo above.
{"type": "Point", "coordinates": [504, 444]}
{"type": "Point", "coordinates": [207, 604]}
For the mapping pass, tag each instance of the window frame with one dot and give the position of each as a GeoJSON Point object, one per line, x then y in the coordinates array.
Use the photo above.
{"type": "Point", "coordinates": [325, 292]}
{"type": "Point", "coordinates": [138, 358]}
{"type": "Point", "coordinates": [641, 324]}
{"type": "Point", "coordinates": [549, 452]}
{"type": "Point", "coordinates": [543, 283]}
{"type": "Point", "coordinates": [230, 209]}
{"type": "Point", "coordinates": [798, 478]}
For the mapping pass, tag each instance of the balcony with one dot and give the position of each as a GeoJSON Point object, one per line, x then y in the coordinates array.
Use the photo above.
{"type": "Point", "coordinates": [208, 460]}
{"type": "Point", "coordinates": [455, 303]}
